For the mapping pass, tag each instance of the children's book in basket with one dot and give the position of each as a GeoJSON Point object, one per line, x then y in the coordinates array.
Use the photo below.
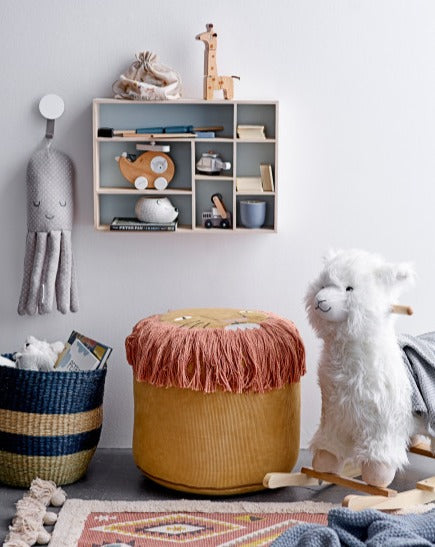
{"type": "Point", "coordinates": [82, 353]}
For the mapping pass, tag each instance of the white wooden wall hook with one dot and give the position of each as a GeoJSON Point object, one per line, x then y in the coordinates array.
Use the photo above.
{"type": "Point", "coordinates": [51, 108]}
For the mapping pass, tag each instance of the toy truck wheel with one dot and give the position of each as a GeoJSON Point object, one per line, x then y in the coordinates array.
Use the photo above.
{"type": "Point", "coordinates": [224, 223]}
{"type": "Point", "coordinates": [208, 223]}
{"type": "Point", "coordinates": [160, 183]}
{"type": "Point", "coordinates": [141, 183]}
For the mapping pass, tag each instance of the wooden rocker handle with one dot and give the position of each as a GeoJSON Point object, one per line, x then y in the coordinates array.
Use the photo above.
{"type": "Point", "coordinates": [349, 482]}
{"type": "Point", "coordinates": [423, 449]}
{"type": "Point", "coordinates": [403, 310]}
{"type": "Point", "coordinates": [424, 492]}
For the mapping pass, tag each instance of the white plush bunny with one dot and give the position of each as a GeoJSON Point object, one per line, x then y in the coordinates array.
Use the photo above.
{"type": "Point", "coordinates": [6, 362]}
{"type": "Point", "coordinates": [38, 354]}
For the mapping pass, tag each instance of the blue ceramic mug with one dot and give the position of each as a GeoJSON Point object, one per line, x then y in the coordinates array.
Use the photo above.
{"type": "Point", "coordinates": [252, 213]}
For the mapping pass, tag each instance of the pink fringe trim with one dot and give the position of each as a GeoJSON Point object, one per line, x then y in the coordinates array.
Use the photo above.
{"type": "Point", "coordinates": [253, 360]}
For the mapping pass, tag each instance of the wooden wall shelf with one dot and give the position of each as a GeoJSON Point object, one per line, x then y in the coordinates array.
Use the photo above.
{"type": "Point", "coordinates": [189, 190]}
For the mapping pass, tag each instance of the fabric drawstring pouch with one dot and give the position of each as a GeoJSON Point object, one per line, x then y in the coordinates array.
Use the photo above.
{"type": "Point", "coordinates": [148, 80]}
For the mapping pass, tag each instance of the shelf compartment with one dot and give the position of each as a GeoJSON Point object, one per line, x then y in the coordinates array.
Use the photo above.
{"type": "Point", "coordinates": [123, 206]}
{"type": "Point", "coordinates": [138, 114]}
{"type": "Point", "coordinates": [258, 114]}
{"type": "Point", "coordinates": [110, 175]}
{"type": "Point", "coordinates": [251, 154]}
{"type": "Point", "coordinates": [204, 189]}
{"type": "Point", "coordinates": [270, 221]}
{"type": "Point", "coordinates": [224, 149]}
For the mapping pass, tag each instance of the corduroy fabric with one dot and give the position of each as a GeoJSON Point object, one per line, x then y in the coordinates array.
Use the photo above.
{"type": "Point", "coordinates": [215, 443]}
{"type": "Point", "coordinates": [50, 424]}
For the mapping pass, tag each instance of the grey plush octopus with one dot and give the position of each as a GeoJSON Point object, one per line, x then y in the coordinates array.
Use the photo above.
{"type": "Point", "coordinates": [48, 265]}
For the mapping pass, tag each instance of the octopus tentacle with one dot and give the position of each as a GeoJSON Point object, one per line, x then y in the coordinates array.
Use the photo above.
{"type": "Point", "coordinates": [63, 279]}
{"type": "Point", "coordinates": [49, 272]}
{"type": "Point", "coordinates": [74, 289]}
{"type": "Point", "coordinates": [36, 272]}
{"type": "Point", "coordinates": [28, 264]}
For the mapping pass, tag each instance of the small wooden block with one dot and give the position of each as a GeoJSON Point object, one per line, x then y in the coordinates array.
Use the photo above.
{"type": "Point", "coordinates": [220, 207]}
{"type": "Point", "coordinates": [404, 310]}
{"type": "Point", "coordinates": [349, 483]}
{"type": "Point", "coordinates": [357, 503]}
{"type": "Point", "coordinates": [279, 480]}
{"type": "Point", "coordinates": [408, 498]}
{"type": "Point", "coordinates": [427, 484]}
{"type": "Point", "coordinates": [422, 449]}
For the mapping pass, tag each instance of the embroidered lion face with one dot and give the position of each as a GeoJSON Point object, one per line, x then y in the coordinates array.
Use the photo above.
{"type": "Point", "coordinates": [217, 318]}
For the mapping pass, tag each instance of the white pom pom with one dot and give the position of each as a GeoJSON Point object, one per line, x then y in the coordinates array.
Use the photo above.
{"type": "Point", "coordinates": [43, 537]}
{"type": "Point", "coordinates": [58, 498]}
{"type": "Point", "coordinates": [50, 518]}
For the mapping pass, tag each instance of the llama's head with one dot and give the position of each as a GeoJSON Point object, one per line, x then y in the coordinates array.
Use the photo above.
{"type": "Point", "coordinates": [354, 293]}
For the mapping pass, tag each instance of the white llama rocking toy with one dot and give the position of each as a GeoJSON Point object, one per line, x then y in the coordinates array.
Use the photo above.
{"type": "Point", "coordinates": [212, 81]}
{"type": "Point", "coordinates": [367, 418]}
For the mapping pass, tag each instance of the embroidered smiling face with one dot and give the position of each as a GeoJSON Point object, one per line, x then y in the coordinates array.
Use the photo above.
{"type": "Point", "coordinates": [49, 192]}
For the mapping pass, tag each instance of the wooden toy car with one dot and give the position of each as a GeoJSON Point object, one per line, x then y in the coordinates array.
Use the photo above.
{"type": "Point", "coordinates": [218, 217]}
{"type": "Point", "coordinates": [149, 170]}
{"type": "Point", "coordinates": [211, 163]}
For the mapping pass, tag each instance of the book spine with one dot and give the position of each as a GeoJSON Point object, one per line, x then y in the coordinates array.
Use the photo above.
{"type": "Point", "coordinates": [143, 228]}
{"type": "Point", "coordinates": [205, 134]}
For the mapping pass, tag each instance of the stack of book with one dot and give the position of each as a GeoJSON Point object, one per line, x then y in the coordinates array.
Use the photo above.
{"type": "Point", "coordinates": [82, 353]}
{"type": "Point", "coordinates": [254, 185]}
{"type": "Point", "coordinates": [267, 177]}
{"type": "Point", "coordinates": [135, 225]}
{"type": "Point", "coordinates": [249, 185]}
{"type": "Point", "coordinates": [251, 132]}
{"type": "Point", "coordinates": [205, 134]}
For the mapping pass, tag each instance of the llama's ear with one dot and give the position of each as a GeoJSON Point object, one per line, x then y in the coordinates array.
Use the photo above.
{"type": "Point", "coordinates": [330, 255]}
{"type": "Point", "coordinates": [393, 274]}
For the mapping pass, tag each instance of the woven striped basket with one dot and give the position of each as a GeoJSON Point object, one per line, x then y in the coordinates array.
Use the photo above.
{"type": "Point", "coordinates": [50, 424]}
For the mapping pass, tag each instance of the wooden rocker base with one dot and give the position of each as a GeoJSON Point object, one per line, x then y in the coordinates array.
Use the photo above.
{"type": "Point", "coordinates": [422, 449]}
{"type": "Point", "coordinates": [383, 499]}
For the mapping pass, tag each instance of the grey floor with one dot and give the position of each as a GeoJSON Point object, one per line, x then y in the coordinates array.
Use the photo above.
{"type": "Point", "coordinates": [112, 475]}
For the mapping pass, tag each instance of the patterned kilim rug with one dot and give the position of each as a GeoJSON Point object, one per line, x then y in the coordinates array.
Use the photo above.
{"type": "Point", "coordinates": [93, 523]}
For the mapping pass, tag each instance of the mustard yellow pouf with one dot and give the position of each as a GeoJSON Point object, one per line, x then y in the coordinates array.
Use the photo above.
{"type": "Point", "coordinates": [216, 398]}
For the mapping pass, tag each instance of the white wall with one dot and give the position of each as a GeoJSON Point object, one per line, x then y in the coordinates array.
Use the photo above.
{"type": "Point", "coordinates": [356, 85]}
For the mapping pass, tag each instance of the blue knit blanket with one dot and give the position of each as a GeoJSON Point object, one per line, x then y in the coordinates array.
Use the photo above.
{"type": "Point", "coordinates": [363, 528]}
{"type": "Point", "coordinates": [419, 357]}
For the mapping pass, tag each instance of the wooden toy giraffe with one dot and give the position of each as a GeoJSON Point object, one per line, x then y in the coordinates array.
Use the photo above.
{"type": "Point", "coordinates": [212, 81]}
